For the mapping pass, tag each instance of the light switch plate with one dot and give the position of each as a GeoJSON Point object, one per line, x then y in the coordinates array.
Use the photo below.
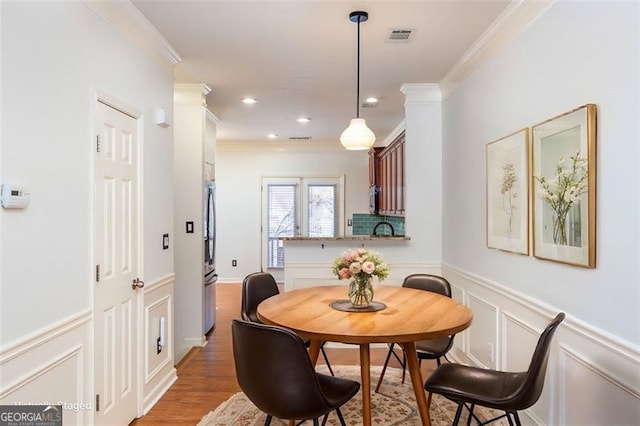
{"type": "Point", "coordinates": [189, 227]}
{"type": "Point", "coordinates": [165, 241]}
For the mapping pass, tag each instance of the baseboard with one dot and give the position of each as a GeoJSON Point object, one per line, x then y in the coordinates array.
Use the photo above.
{"type": "Point", "coordinates": [159, 390]}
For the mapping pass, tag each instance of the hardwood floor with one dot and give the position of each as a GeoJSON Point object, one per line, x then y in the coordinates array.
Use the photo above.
{"type": "Point", "coordinates": [206, 376]}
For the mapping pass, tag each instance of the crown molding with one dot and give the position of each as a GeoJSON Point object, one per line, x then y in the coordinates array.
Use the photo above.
{"type": "Point", "coordinates": [125, 18]}
{"type": "Point", "coordinates": [401, 127]}
{"type": "Point", "coordinates": [421, 92]}
{"type": "Point", "coordinates": [518, 15]}
{"type": "Point", "coordinates": [211, 117]}
{"type": "Point", "coordinates": [190, 94]}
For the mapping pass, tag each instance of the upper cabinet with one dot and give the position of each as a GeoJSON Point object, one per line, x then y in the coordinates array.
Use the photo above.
{"type": "Point", "coordinates": [386, 168]}
{"type": "Point", "coordinates": [374, 178]}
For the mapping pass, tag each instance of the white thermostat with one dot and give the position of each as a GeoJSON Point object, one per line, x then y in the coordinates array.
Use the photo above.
{"type": "Point", "coordinates": [15, 197]}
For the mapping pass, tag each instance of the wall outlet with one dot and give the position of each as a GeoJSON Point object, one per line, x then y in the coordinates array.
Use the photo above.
{"type": "Point", "coordinates": [158, 346]}
{"type": "Point", "coordinates": [234, 262]}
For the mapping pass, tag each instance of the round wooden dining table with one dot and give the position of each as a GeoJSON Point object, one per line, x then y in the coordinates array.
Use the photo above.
{"type": "Point", "coordinates": [408, 315]}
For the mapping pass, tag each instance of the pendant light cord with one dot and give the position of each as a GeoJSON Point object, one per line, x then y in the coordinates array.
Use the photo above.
{"type": "Point", "coordinates": [358, 75]}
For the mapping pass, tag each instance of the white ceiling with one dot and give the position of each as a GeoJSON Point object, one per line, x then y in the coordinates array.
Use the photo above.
{"type": "Point", "coordinates": [298, 58]}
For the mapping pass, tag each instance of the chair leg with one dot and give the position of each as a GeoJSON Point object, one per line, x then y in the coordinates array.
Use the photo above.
{"type": "Point", "coordinates": [516, 418]}
{"type": "Point", "coordinates": [267, 422]}
{"type": "Point", "coordinates": [456, 419]}
{"type": "Point", "coordinates": [326, 360]}
{"type": "Point", "coordinates": [384, 367]}
{"type": "Point", "coordinates": [404, 366]}
{"type": "Point", "coordinates": [470, 415]}
{"type": "Point", "coordinates": [324, 419]}
{"type": "Point", "coordinates": [315, 422]}
{"type": "Point", "coordinates": [339, 413]}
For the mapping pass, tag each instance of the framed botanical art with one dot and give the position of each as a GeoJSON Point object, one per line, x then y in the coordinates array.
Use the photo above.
{"type": "Point", "coordinates": [507, 193]}
{"type": "Point", "coordinates": [564, 187]}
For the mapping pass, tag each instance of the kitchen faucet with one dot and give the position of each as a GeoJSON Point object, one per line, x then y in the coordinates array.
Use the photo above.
{"type": "Point", "coordinates": [375, 228]}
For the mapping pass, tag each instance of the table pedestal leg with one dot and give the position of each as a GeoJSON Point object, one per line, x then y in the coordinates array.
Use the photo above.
{"type": "Point", "coordinates": [416, 381]}
{"type": "Point", "coordinates": [314, 350]}
{"type": "Point", "coordinates": [365, 375]}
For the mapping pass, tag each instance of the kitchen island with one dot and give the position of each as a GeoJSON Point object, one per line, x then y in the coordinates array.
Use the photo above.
{"type": "Point", "coordinates": [309, 260]}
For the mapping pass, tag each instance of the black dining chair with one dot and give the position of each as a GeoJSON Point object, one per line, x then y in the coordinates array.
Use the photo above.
{"type": "Point", "coordinates": [274, 371]}
{"type": "Point", "coordinates": [507, 391]}
{"type": "Point", "coordinates": [425, 349]}
{"type": "Point", "coordinates": [257, 287]}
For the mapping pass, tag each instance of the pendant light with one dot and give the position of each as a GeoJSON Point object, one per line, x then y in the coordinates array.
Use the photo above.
{"type": "Point", "coordinates": [358, 136]}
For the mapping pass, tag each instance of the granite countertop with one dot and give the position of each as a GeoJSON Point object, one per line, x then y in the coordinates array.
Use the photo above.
{"type": "Point", "coordinates": [351, 238]}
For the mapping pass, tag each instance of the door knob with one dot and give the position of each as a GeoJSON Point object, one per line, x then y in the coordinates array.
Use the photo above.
{"type": "Point", "coordinates": [137, 283]}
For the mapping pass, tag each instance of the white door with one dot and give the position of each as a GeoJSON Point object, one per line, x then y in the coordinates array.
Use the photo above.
{"type": "Point", "coordinates": [116, 259]}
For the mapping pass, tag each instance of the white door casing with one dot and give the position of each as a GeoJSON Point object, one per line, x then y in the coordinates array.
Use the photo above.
{"type": "Point", "coordinates": [116, 332]}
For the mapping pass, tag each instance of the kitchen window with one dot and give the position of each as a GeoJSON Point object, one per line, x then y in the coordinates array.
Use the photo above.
{"type": "Point", "coordinates": [292, 207]}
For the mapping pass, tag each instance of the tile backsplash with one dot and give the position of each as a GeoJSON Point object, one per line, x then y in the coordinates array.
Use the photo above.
{"type": "Point", "coordinates": [363, 224]}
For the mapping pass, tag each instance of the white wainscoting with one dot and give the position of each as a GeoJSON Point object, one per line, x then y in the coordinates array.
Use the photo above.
{"type": "Point", "coordinates": [158, 371]}
{"type": "Point", "coordinates": [593, 378]}
{"type": "Point", "coordinates": [52, 366]}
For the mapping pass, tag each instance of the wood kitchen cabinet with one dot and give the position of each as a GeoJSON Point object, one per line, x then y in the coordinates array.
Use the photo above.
{"type": "Point", "coordinates": [390, 177]}
{"type": "Point", "coordinates": [374, 177]}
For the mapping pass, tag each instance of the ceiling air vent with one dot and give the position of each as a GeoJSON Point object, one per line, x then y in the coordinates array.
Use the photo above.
{"type": "Point", "coordinates": [400, 35]}
{"type": "Point", "coordinates": [300, 138]}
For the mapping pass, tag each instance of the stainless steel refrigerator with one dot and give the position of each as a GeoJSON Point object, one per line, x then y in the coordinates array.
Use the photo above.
{"type": "Point", "coordinates": [210, 275]}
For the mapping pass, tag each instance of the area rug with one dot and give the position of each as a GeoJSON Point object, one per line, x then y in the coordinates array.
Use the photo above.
{"type": "Point", "coordinates": [394, 405]}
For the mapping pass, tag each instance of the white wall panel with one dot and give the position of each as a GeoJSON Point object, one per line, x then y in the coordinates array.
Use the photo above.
{"type": "Point", "coordinates": [158, 368]}
{"type": "Point", "coordinates": [593, 378]}
{"type": "Point", "coordinates": [588, 396]}
{"type": "Point", "coordinates": [51, 367]}
{"type": "Point", "coordinates": [483, 333]}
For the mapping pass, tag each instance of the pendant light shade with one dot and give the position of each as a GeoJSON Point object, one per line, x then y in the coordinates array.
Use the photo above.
{"type": "Point", "coordinates": [358, 136]}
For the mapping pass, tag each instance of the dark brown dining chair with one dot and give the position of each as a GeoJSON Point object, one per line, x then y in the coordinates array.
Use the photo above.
{"type": "Point", "coordinates": [506, 391]}
{"type": "Point", "coordinates": [274, 371]}
{"type": "Point", "coordinates": [425, 349]}
{"type": "Point", "coordinates": [260, 286]}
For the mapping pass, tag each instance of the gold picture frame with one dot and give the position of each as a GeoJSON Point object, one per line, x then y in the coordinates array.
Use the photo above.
{"type": "Point", "coordinates": [508, 193]}
{"type": "Point", "coordinates": [563, 182]}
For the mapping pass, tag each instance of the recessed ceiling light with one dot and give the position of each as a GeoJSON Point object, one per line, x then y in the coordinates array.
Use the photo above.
{"type": "Point", "coordinates": [249, 101]}
{"type": "Point", "coordinates": [272, 136]}
{"type": "Point", "coordinates": [303, 120]}
{"type": "Point", "coordinates": [371, 100]}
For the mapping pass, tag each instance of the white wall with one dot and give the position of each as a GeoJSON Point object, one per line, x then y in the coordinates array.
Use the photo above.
{"type": "Point", "coordinates": [57, 58]}
{"type": "Point", "coordinates": [239, 170]}
{"type": "Point", "coordinates": [189, 160]}
{"type": "Point", "coordinates": [575, 54]}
